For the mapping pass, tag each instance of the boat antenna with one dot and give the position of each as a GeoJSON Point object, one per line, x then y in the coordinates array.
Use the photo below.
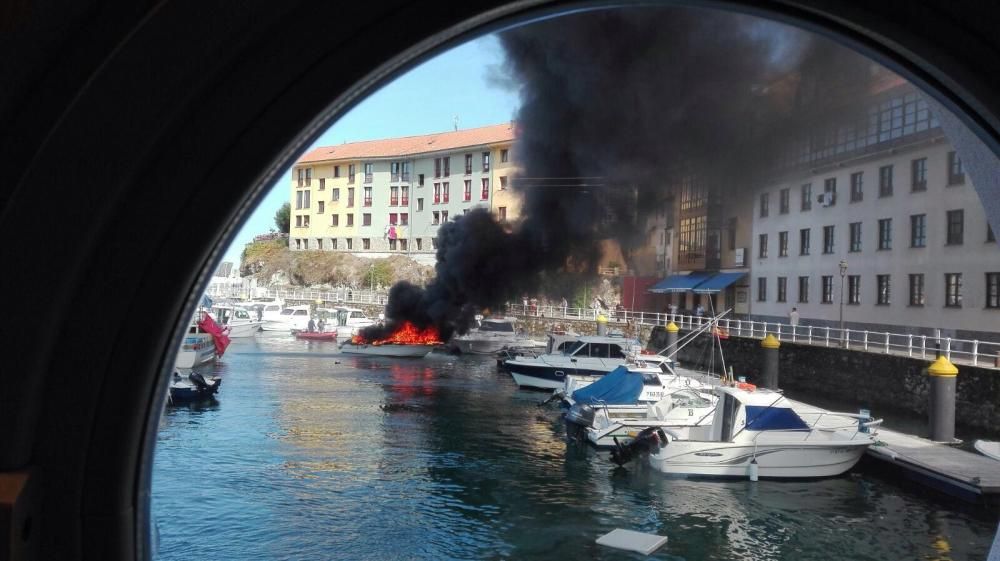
{"type": "Point", "coordinates": [686, 339]}
{"type": "Point", "coordinates": [716, 336]}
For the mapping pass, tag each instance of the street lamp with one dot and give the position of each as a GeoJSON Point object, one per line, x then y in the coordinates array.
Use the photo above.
{"type": "Point", "coordinates": [843, 271]}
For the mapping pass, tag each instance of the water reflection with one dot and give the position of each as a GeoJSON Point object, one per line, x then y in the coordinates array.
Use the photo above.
{"type": "Point", "coordinates": [310, 454]}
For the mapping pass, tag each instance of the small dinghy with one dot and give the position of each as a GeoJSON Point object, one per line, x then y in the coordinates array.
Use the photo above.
{"type": "Point", "coordinates": [988, 448]}
{"type": "Point", "coordinates": [316, 335]}
{"type": "Point", "coordinates": [192, 387]}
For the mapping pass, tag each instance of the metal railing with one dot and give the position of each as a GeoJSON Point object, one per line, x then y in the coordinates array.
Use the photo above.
{"type": "Point", "coordinates": [964, 351]}
{"type": "Point", "coordinates": [345, 295]}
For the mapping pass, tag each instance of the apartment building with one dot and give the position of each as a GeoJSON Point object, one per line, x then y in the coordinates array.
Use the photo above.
{"type": "Point", "coordinates": [385, 197]}
{"type": "Point", "coordinates": [882, 217]}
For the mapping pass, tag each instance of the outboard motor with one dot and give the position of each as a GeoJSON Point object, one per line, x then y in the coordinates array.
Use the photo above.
{"type": "Point", "coordinates": [580, 414]}
{"type": "Point", "coordinates": [652, 438]}
{"type": "Point", "coordinates": [203, 385]}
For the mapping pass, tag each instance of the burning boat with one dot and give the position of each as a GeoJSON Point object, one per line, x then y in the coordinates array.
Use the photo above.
{"type": "Point", "coordinates": [407, 341]}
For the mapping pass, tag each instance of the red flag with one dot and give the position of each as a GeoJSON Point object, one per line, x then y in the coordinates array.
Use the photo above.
{"type": "Point", "coordinates": [208, 325]}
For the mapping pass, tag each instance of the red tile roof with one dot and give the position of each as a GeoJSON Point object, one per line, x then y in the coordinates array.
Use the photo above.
{"type": "Point", "coordinates": [411, 145]}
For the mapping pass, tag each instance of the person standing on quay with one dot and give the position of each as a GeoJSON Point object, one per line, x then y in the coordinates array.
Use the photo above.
{"type": "Point", "coordinates": [793, 317]}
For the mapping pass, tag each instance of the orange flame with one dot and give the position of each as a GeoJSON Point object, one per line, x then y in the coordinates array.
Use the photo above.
{"type": "Point", "coordinates": [407, 334]}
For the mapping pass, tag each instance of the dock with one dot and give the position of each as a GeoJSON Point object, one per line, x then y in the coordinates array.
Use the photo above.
{"type": "Point", "coordinates": [965, 475]}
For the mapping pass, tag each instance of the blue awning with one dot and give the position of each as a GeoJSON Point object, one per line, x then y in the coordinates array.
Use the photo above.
{"type": "Point", "coordinates": [719, 282]}
{"type": "Point", "coordinates": [680, 283]}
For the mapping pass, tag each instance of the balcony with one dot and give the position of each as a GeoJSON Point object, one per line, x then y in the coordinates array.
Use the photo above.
{"type": "Point", "coordinates": [368, 201]}
{"type": "Point", "coordinates": [393, 201]}
{"type": "Point", "coordinates": [368, 177]}
{"type": "Point", "coordinates": [405, 201]}
{"type": "Point", "coordinates": [405, 177]}
{"type": "Point", "coordinates": [437, 199]}
{"type": "Point", "coordinates": [394, 177]}
{"type": "Point", "coordinates": [445, 197]}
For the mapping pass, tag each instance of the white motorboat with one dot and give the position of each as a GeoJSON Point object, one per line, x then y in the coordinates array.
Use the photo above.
{"type": "Point", "coordinates": [490, 336]}
{"type": "Point", "coordinates": [269, 312]}
{"type": "Point", "coordinates": [197, 348]}
{"type": "Point", "coordinates": [387, 349]}
{"type": "Point", "coordinates": [988, 448]}
{"type": "Point", "coordinates": [192, 386]}
{"type": "Point", "coordinates": [755, 433]}
{"type": "Point", "coordinates": [680, 407]}
{"type": "Point", "coordinates": [594, 355]}
{"type": "Point", "coordinates": [349, 321]}
{"type": "Point", "coordinates": [290, 318]}
{"type": "Point", "coordinates": [659, 378]}
{"type": "Point", "coordinates": [237, 320]}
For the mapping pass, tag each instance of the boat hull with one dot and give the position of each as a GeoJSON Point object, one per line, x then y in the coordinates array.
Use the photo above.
{"type": "Point", "coordinates": [401, 351]}
{"type": "Point", "coordinates": [316, 336]}
{"type": "Point", "coordinates": [792, 460]}
{"type": "Point", "coordinates": [196, 349]}
{"type": "Point", "coordinates": [243, 330]}
{"type": "Point", "coordinates": [481, 346]}
{"type": "Point", "coordinates": [545, 377]}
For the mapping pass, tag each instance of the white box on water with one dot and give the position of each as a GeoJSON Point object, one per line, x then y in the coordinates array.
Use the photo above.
{"type": "Point", "coordinates": [632, 541]}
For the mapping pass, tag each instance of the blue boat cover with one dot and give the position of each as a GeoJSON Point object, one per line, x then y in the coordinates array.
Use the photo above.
{"type": "Point", "coordinates": [679, 283]}
{"type": "Point", "coordinates": [719, 282]}
{"type": "Point", "coordinates": [760, 417]}
{"type": "Point", "coordinates": [619, 387]}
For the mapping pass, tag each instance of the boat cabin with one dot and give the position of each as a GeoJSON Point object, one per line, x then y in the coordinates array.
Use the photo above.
{"type": "Point", "coordinates": [740, 411]}
{"type": "Point", "coordinates": [352, 316]}
{"type": "Point", "coordinates": [600, 347]}
{"type": "Point", "coordinates": [497, 326]}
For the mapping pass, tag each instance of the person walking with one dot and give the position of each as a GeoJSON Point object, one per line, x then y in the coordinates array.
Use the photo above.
{"type": "Point", "coordinates": [564, 305]}
{"type": "Point", "coordinates": [312, 325]}
{"type": "Point", "coordinates": [793, 317]}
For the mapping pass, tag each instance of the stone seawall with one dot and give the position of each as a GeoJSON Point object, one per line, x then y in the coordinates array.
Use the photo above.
{"type": "Point", "coordinates": [879, 381]}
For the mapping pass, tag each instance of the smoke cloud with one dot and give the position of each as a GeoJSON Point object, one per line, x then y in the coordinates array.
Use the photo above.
{"type": "Point", "coordinates": [616, 107]}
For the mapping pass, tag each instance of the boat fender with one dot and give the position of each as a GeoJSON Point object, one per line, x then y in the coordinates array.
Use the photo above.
{"type": "Point", "coordinates": [752, 470]}
{"type": "Point", "coordinates": [746, 386]}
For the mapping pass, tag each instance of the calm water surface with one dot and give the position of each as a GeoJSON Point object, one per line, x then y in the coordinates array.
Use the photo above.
{"type": "Point", "coordinates": [309, 454]}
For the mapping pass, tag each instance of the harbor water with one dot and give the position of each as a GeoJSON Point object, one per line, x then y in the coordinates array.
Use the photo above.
{"type": "Point", "coordinates": [310, 454]}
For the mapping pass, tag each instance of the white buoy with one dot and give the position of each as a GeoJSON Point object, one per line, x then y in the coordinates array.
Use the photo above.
{"type": "Point", "coordinates": [752, 470]}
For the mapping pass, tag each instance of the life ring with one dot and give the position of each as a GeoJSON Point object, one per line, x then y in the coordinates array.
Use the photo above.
{"type": "Point", "coordinates": [746, 386]}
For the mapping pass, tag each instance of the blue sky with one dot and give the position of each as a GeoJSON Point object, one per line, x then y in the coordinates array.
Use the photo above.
{"type": "Point", "coordinates": [424, 100]}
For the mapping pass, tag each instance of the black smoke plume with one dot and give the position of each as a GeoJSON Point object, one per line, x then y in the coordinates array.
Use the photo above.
{"type": "Point", "coordinates": [616, 107]}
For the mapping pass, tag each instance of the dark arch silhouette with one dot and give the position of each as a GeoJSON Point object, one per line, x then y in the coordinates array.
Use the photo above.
{"type": "Point", "coordinates": [134, 138]}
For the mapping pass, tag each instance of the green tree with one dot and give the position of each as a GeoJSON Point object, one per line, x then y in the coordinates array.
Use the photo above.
{"type": "Point", "coordinates": [283, 218]}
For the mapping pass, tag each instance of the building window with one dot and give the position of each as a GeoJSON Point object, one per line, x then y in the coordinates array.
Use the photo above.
{"type": "Point", "coordinates": [309, 178]}
{"type": "Point", "coordinates": [806, 202]}
{"type": "Point", "coordinates": [402, 244]}
{"type": "Point", "coordinates": [321, 208]}
{"type": "Point", "coordinates": [731, 230]}
{"type": "Point", "coordinates": [369, 172]}
{"type": "Point", "coordinates": [762, 246]}
{"type": "Point", "coordinates": [350, 220]}
{"type": "Point", "coordinates": [351, 172]}
{"type": "Point", "coordinates": [990, 236]}
{"type": "Point", "coordinates": [334, 220]}
{"type": "Point", "coordinates": [444, 192]}
{"type": "Point", "coordinates": [298, 220]}
{"type": "Point", "coordinates": [782, 244]}
{"type": "Point", "coordinates": [993, 290]}
{"type": "Point", "coordinates": [305, 221]}
{"type": "Point", "coordinates": [830, 190]}
{"type": "Point", "coordinates": [434, 243]}
{"type": "Point", "coordinates": [486, 161]}
{"type": "Point", "coordinates": [486, 188]}
{"type": "Point", "coordinates": [502, 214]}
{"type": "Point", "coordinates": [783, 196]}
{"type": "Point", "coordinates": [319, 244]}
{"type": "Point", "coordinates": [305, 243]}
{"type": "Point", "coordinates": [298, 242]}
{"type": "Point", "coordinates": [761, 289]}
{"type": "Point", "coordinates": [956, 226]}
{"type": "Point", "coordinates": [885, 233]}
{"type": "Point", "coordinates": [693, 195]}
{"type": "Point", "coordinates": [350, 196]}
{"type": "Point", "coordinates": [420, 180]}
{"type": "Point", "coordinates": [366, 219]}
{"type": "Point", "coordinates": [299, 174]}
{"type": "Point", "coordinates": [918, 175]}
{"type": "Point", "coordinates": [392, 244]}
{"type": "Point", "coordinates": [782, 289]}
{"type": "Point", "coordinates": [853, 289]}
{"type": "Point", "coordinates": [953, 290]}
{"type": "Point", "coordinates": [855, 237]}
{"type": "Point", "coordinates": [468, 164]}
{"type": "Point", "coordinates": [828, 239]}
{"type": "Point", "coordinates": [336, 173]}
{"type": "Point", "coordinates": [444, 216]}
{"type": "Point", "coordinates": [504, 156]}
{"type": "Point", "coordinates": [368, 196]}
{"type": "Point", "coordinates": [764, 202]}
{"type": "Point", "coordinates": [322, 185]}
{"type": "Point", "coordinates": [393, 196]}
{"type": "Point", "coordinates": [883, 290]}
{"type": "Point", "coordinates": [394, 172]}
{"type": "Point", "coordinates": [437, 193]}
{"type": "Point", "coordinates": [917, 290]}
{"type": "Point", "coordinates": [827, 289]}
{"type": "Point", "coordinates": [350, 243]}
{"type": "Point", "coordinates": [446, 163]}
{"type": "Point", "coordinates": [918, 230]}
{"type": "Point", "coordinates": [437, 167]}
{"type": "Point", "coordinates": [420, 244]}
{"type": "Point", "coordinates": [691, 242]}
{"type": "Point", "coordinates": [405, 199]}
{"type": "Point", "coordinates": [857, 187]}
{"type": "Point", "coordinates": [335, 194]}
{"type": "Point", "coordinates": [803, 290]}
{"type": "Point", "coordinates": [437, 218]}
{"type": "Point", "coordinates": [885, 181]}
{"type": "Point", "coordinates": [804, 235]}
{"type": "Point", "coordinates": [956, 173]}
{"type": "Point", "coordinates": [406, 172]}
{"type": "Point", "coordinates": [366, 243]}
{"type": "Point", "coordinates": [503, 182]}
{"type": "Point", "coordinates": [420, 204]}
{"type": "Point", "coordinates": [393, 218]}
{"type": "Point", "coordinates": [404, 219]}
{"type": "Point", "coordinates": [467, 195]}
{"type": "Point", "coordinates": [333, 243]}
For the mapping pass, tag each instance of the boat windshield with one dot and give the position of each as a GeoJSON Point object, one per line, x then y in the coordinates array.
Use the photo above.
{"type": "Point", "coordinates": [497, 326]}
{"type": "Point", "coordinates": [571, 347]}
